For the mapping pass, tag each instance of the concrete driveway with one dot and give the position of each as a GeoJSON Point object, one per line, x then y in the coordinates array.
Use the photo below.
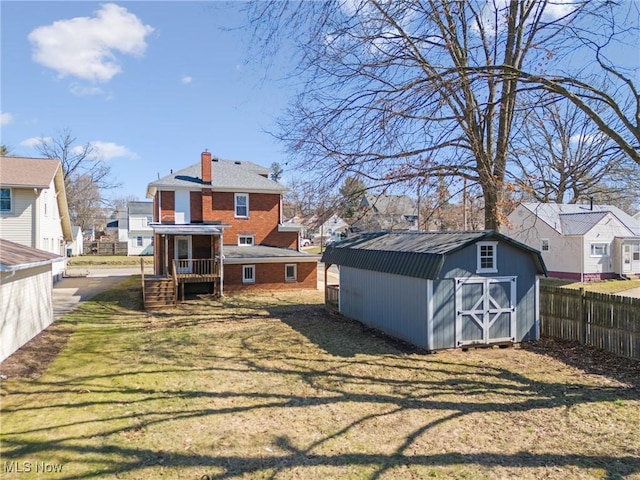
{"type": "Point", "coordinates": [634, 292]}
{"type": "Point", "coordinates": [70, 291]}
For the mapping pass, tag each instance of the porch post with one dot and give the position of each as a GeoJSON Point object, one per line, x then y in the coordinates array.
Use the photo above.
{"type": "Point", "coordinates": [220, 253]}
{"type": "Point", "coordinates": [166, 255]}
{"type": "Point", "coordinates": [326, 273]}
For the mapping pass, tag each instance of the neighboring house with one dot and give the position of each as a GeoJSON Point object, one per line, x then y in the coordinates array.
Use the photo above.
{"type": "Point", "coordinates": [579, 242]}
{"type": "Point", "coordinates": [26, 304]}
{"type": "Point", "coordinates": [139, 231]}
{"type": "Point", "coordinates": [75, 248]}
{"type": "Point", "coordinates": [386, 213]}
{"type": "Point", "coordinates": [220, 222]}
{"type": "Point", "coordinates": [333, 226]}
{"type": "Point", "coordinates": [33, 206]}
{"type": "Point", "coordinates": [440, 290]}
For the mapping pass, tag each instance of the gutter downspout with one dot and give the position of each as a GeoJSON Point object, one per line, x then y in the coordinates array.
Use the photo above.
{"type": "Point", "coordinates": [582, 261]}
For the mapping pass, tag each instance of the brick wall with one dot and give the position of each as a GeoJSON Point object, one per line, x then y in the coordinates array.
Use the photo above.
{"type": "Point", "coordinates": [167, 207]}
{"type": "Point", "coordinates": [271, 276]}
{"type": "Point", "coordinates": [264, 215]}
{"type": "Point", "coordinates": [195, 206]}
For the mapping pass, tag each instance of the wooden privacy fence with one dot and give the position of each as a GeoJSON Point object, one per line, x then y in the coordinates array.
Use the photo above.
{"type": "Point", "coordinates": [608, 322]}
{"type": "Point", "coordinates": [105, 248]}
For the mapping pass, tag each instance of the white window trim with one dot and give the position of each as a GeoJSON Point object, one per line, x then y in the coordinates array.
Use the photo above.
{"type": "Point", "coordinates": [10, 200]}
{"type": "Point", "coordinates": [295, 272]}
{"type": "Point", "coordinates": [235, 204]}
{"type": "Point", "coordinates": [252, 237]}
{"type": "Point", "coordinates": [542, 240]}
{"type": "Point", "coordinates": [493, 269]}
{"type": "Point", "coordinates": [253, 278]}
{"type": "Point", "coordinates": [606, 248]}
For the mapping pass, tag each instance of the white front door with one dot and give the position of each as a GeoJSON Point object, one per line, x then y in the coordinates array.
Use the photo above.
{"type": "Point", "coordinates": [626, 258]}
{"type": "Point", "coordinates": [485, 310]}
{"type": "Point", "coordinates": [183, 254]}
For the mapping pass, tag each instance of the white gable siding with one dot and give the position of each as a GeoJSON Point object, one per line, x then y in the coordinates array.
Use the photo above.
{"type": "Point", "coordinates": [17, 225]}
{"type": "Point", "coordinates": [604, 232]}
{"type": "Point", "coordinates": [182, 207]}
{"type": "Point", "coordinates": [564, 251]}
{"type": "Point", "coordinates": [26, 307]}
{"type": "Point", "coordinates": [50, 227]}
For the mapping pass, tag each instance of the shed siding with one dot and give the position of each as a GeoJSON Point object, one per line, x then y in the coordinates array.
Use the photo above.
{"type": "Point", "coordinates": [392, 303]}
{"type": "Point", "coordinates": [26, 307]}
{"type": "Point", "coordinates": [463, 264]}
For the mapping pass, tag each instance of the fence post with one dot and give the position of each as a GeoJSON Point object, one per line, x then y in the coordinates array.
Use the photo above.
{"type": "Point", "coordinates": [583, 315]}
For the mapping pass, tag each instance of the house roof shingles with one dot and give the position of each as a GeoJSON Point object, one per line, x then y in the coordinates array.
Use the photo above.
{"type": "Point", "coordinates": [14, 256]}
{"type": "Point", "coordinates": [27, 172]}
{"type": "Point", "coordinates": [140, 208]}
{"type": "Point", "coordinates": [579, 218]}
{"type": "Point", "coordinates": [226, 175]}
{"type": "Point", "coordinates": [413, 254]}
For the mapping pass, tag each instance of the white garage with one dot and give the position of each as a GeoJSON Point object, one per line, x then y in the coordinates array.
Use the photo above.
{"type": "Point", "coordinates": [26, 302]}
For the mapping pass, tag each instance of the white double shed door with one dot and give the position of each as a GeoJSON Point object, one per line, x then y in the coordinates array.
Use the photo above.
{"type": "Point", "coordinates": [485, 310]}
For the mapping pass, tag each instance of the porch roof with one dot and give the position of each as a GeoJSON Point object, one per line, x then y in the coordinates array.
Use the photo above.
{"type": "Point", "coordinates": [188, 229]}
{"type": "Point", "coordinates": [264, 254]}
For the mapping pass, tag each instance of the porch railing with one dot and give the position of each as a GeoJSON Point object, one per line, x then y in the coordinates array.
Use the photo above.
{"type": "Point", "coordinates": [196, 267]}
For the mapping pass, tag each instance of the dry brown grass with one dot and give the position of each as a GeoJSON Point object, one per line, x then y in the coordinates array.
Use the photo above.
{"type": "Point", "coordinates": [272, 386]}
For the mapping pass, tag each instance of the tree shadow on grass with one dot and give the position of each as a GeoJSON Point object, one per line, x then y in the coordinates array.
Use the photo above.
{"type": "Point", "coordinates": [330, 363]}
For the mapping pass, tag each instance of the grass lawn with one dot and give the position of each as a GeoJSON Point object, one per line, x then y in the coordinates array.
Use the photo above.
{"type": "Point", "coordinates": [272, 386]}
{"type": "Point", "coordinates": [108, 261]}
{"type": "Point", "coordinates": [605, 286]}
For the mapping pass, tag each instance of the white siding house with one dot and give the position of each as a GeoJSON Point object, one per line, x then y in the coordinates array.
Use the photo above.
{"type": "Point", "coordinates": [26, 305]}
{"type": "Point", "coordinates": [140, 233]}
{"type": "Point", "coordinates": [33, 207]}
{"type": "Point", "coordinates": [579, 242]}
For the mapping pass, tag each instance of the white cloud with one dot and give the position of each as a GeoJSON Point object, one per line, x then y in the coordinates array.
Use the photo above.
{"type": "Point", "coordinates": [82, 91]}
{"type": "Point", "coordinates": [559, 8]}
{"type": "Point", "coordinates": [85, 47]}
{"type": "Point", "coordinates": [34, 141]}
{"type": "Point", "coordinates": [186, 79]}
{"type": "Point", "coordinates": [108, 151]}
{"type": "Point", "coordinates": [5, 118]}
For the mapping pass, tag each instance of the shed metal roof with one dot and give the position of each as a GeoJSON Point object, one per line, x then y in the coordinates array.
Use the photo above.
{"type": "Point", "coordinates": [413, 254]}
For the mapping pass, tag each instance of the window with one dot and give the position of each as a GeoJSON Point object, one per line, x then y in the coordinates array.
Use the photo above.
{"type": "Point", "coordinates": [45, 203]}
{"type": "Point", "coordinates": [290, 272]}
{"type": "Point", "coordinates": [487, 257]}
{"type": "Point", "coordinates": [544, 245]}
{"type": "Point", "coordinates": [138, 241]}
{"type": "Point", "coordinates": [248, 274]}
{"type": "Point", "coordinates": [599, 250]}
{"type": "Point", "coordinates": [5, 199]}
{"type": "Point", "coordinates": [245, 240]}
{"type": "Point", "coordinates": [242, 205]}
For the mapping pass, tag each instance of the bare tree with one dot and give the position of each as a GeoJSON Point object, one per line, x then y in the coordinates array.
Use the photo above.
{"type": "Point", "coordinates": [561, 156]}
{"type": "Point", "coordinates": [85, 203]}
{"type": "Point", "coordinates": [403, 89]}
{"type": "Point", "coordinates": [86, 176]}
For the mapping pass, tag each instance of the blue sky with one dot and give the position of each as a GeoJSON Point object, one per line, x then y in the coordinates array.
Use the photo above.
{"type": "Point", "coordinates": [150, 84]}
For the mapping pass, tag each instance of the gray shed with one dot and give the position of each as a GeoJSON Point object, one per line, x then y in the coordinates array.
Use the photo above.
{"type": "Point", "coordinates": [440, 290]}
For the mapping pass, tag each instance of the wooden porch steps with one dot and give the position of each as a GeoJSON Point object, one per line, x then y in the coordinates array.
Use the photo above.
{"type": "Point", "coordinates": [159, 292]}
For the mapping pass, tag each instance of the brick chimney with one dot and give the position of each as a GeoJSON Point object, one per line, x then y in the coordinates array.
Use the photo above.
{"type": "Point", "coordinates": [206, 167]}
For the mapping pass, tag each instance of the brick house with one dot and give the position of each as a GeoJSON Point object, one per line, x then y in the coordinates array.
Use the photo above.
{"type": "Point", "coordinates": [220, 222]}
